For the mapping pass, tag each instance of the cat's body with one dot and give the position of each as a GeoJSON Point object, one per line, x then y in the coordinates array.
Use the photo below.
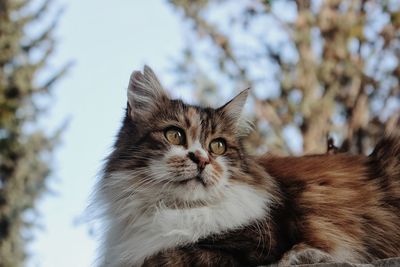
{"type": "Point", "coordinates": [179, 190]}
{"type": "Point", "coordinates": [335, 208]}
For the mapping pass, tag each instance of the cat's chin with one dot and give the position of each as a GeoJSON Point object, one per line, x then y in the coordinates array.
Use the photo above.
{"type": "Point", "coordinates": [195, 190]}
{"type": "Point", "coordinates": [193, 182]}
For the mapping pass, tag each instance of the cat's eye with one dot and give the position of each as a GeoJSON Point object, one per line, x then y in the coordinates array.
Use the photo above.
{"type": "Point", "coordinates": [175, 136]}
{"type": "Point", "coordinates": [218, 146]}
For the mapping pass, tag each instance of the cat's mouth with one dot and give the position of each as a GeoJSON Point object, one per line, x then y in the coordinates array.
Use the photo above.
{"type": "Point", "coordinates": [197, 179]}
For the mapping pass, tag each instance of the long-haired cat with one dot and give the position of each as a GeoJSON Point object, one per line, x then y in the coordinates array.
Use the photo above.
{"type": "Point", "coordinates": [179, 190]}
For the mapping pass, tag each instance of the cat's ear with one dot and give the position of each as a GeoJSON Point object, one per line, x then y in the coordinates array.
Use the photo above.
{"type": "Point", "coordinates": [144, 93]}
{"type": "Point", "coordinates": [233, 110]}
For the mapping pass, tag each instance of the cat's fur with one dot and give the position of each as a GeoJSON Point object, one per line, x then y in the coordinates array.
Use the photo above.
{"type": "Point", "coordinates": [160, 209]}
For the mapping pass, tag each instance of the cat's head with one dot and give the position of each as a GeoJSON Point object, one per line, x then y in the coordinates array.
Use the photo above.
{"type": "Point", "coordinates": [176, 152]}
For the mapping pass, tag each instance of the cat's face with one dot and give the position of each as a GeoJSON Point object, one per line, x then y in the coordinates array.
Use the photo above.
{"type": "Point", "coordinates": [173, 151]}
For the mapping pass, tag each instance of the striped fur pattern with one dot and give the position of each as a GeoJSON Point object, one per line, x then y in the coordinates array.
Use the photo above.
{"type": "Point", "coordinates": [161, 208]}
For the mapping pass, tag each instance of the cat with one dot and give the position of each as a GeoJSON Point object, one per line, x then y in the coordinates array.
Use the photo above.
{"type": "Point", "coordinates": [179, 189]}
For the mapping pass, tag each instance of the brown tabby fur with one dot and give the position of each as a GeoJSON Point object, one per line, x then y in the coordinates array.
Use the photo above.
{"type": "Point", "coordinates": [331, 207]}
{"type": "Point", "coordinates": [343, 205]}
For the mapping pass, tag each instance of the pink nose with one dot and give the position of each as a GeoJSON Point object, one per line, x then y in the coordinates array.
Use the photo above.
{"type": "Point", "coordinates": [199, 159]}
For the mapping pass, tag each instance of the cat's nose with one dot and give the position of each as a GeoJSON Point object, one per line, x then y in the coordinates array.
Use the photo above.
{"type": "Point", "coordinates": [199, 159]}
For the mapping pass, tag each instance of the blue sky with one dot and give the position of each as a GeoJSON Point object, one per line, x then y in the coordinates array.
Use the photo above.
{"type": "Point", "coordinates": [106, 41]}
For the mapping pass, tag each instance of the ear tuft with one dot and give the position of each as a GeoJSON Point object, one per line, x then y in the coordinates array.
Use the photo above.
{"type": "Point", "coordinates": [144, 92]}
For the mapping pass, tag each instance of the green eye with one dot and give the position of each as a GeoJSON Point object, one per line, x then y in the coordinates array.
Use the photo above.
{"type": "Point", "coordinates": [175, 136]}
{"type": "Point", "coordinates": [218, 146]}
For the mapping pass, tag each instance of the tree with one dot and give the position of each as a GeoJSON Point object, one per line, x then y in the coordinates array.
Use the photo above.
{"type": "Point", "coordinates": [317, 68]}
{"type": "Point", "coordinates": [25, 149]}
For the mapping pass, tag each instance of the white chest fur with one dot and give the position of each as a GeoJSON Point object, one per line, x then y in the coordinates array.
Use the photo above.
{"type": "Point", "coordinates": [129, 244]}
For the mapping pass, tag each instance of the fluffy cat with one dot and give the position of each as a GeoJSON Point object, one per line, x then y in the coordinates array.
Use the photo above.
{"type": "Point", "coordinates": [179, 190]}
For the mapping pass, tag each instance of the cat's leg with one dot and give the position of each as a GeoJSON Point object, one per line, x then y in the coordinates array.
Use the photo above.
{"type": "Point", "coordinates": [193, 256]}
{"type": "Point", "coordinates": [304, 254]}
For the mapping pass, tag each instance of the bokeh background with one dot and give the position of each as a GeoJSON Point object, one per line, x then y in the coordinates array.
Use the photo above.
{"type": "Point", "coordinates": [318, 70]}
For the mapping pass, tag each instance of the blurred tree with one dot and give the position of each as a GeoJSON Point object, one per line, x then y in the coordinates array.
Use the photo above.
{"type": "Point", "coordinates": [316, 67]}
{"type": "Point", "coordinates": [25, 150]}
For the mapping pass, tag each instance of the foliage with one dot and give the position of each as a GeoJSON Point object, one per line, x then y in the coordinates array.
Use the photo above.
{"type": "Point", "coordinates": [25, 149]}
{"type": "Point", "coordinates": [317, 68]}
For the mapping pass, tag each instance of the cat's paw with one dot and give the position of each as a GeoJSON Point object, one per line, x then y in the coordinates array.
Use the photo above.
{"type": "Point", "coordinates": [304, 254]}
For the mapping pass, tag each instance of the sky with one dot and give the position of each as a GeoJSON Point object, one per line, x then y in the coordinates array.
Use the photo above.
{"type": "Point", "coordinates": [107, 42]}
